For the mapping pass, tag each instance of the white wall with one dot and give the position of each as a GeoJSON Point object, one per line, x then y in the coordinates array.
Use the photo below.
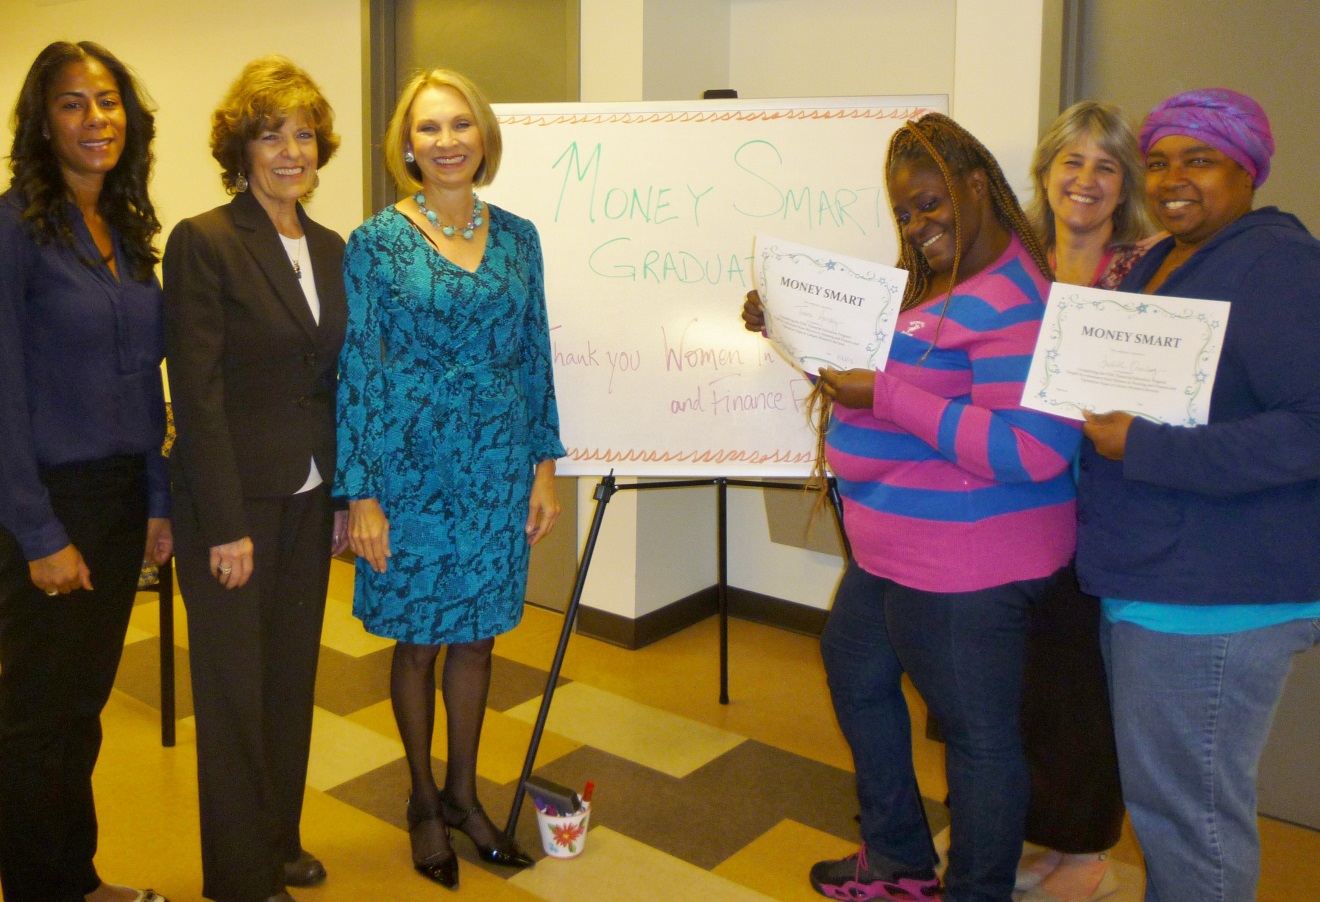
{"type": "Point", "coordinates": [186, 53]}
{"type": "Point", "coordinates": [686, 48]}
{"type": "Point", "coordinates": [827, 48]}
{"type": "Point", "coordinates": [612, 37]}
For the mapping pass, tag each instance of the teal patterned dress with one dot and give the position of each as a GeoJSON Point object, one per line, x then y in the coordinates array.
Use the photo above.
{"type": "Point", "coordinates": [446, 404]}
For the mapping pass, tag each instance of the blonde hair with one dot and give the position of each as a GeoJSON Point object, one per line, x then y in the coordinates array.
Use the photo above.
{"type": "Point", "coordinates": [407, 176]}
{"type": "Point", "coordinates": [1112, 131]}
{"type": "Point", "coordinates": [266, 92]}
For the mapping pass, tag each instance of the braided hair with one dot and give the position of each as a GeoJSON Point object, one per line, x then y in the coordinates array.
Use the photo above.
{"type": "Point", "coordinates": [124, 202]}
{"type": "Point", "coordinates": [936, 139]}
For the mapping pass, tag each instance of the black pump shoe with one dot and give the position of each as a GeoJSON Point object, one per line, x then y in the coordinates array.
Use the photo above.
{"type": "Point", "coordinates": [506, 853]}
{"type": "Point", "coordinates": [441, 867]}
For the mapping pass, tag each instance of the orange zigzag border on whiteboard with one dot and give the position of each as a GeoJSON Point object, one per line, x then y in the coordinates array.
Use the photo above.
{"type": "Point", "coordinates": [903, 113]}
{"type": "Point", "coordinates": [716, 456]}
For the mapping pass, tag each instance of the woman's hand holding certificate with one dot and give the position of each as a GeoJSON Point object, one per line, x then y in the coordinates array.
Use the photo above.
{"type": "Point", "coordinates": [1147, 355]}
{"type": "Point", "coordinates": [827, 310]}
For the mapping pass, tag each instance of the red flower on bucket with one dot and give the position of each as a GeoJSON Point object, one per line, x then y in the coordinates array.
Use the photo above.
{"type": "Point", "coordinates": [567, 835]}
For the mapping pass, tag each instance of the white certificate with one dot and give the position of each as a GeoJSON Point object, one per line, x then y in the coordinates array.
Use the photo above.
{"type": "Point", "coordinates": [824, 309]}
{"type": "Point", "coordinates": [1147, 355]}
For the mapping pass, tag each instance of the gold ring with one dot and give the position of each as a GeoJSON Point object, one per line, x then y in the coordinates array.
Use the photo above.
{"type": "Point", "coordinates": [52, 592]}
{"type": "Point", "coordinates": [226, 569]}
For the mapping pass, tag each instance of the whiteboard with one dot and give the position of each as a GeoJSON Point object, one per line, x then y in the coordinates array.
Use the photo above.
{"type": "Point", "coordinates": [647, 213]}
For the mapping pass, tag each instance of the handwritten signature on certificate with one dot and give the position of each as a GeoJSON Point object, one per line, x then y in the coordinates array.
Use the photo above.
{"type": "Point", "coordinates": [824, 309]}
{"type": "Point", "coordinates": [1148, 355]}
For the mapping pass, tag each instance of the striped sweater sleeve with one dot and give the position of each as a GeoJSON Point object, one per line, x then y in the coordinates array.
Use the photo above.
{"type": "Point", "coordinates": [990, 435]}
{"type": "Point", "coordinates": [987, 433]}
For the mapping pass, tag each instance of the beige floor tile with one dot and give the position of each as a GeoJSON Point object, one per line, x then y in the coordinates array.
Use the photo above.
{"type": "Point", "coordinates": [1131, 882]}
{"type": "Point", "coordinates": [137, 634]}
{"type": "Point", "coordinates": [343, 749]}
{"type": "Point", "coordinates": [341, 580]}
{"type": "Point", "coordinates": [369, 859]}
{"type": "Point", "coordinates": [378, 717]}
{"type": "Point", "coordinates": [657, 739]}
{"type": "Point", "coordinates": [504, 740]}
{"type": "Point", "coordinates": [146, 799]}
{"type": "Point", "coordinates": [145, 619]}
{"type": "Point", "coordinates": [344, 633]}
{"type": "Point", "coordinates": [1290, 861]}
{"type": "Point", "coordinates": [776, 863]}
{"type": "Point", "coordinates": [612, 866]}
{"type": "Point", "coordinates": [680, 674]}
{"type": "Point", "coordinates": [147, 796]}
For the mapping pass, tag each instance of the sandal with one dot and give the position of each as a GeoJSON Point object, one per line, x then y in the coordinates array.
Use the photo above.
{"type": "Point", "coordinates": [506, 853]}
{"type": "Point", "coordinates": [440, 867]}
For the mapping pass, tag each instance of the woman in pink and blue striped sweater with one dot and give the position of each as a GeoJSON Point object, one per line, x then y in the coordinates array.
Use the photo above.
{"type": "Point", "coordinates": [959, 506]}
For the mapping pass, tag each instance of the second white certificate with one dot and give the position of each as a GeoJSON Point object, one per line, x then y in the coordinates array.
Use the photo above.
{"type": "Point", "coordinates": [1148, 355]}
{"type": "Point", "coordinates": [824, 309]}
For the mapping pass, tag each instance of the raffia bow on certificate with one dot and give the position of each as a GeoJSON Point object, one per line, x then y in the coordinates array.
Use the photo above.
{"type": "Point", "coordinates": [824, 309]}
{"type": "Point", "coordinates": [1147, 355]}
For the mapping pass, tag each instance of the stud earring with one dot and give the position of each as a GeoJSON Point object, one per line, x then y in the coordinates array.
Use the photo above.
{"type": "Point", "coordinates": [240, 183]}
{"type": "Point", "coordinates": [408, 157]}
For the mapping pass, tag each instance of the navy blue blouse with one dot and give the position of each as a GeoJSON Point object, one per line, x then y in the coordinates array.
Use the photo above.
{"type": "Point", "coordinates": [80, 355]}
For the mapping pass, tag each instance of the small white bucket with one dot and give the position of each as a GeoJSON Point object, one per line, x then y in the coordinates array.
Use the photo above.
{"type": "Point", "coordinates": [564, 837]}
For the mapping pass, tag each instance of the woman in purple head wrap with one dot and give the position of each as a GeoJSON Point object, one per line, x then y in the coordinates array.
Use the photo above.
{"type": "Point", "coordinates": [1230, 122]}
{"type": "Point", "coordinates": [1202, 541]}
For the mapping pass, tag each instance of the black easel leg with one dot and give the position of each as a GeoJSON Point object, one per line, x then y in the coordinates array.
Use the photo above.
{"type": "Point", "coordinates": [165, 591]}
{"type": "Point", "coordinates": [722, 588]}
{"type": "Point", "coordinates": [604, 491]}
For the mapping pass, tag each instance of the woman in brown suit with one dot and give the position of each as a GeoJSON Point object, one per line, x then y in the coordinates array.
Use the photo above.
{"type": "Point", "coordinates": [255, 313]}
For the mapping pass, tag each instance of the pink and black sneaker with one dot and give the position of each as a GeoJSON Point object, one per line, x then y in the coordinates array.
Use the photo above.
{"type": "Point", "coordinates": [852, 879]}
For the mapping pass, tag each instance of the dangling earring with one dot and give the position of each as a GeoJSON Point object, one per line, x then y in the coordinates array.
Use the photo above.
{"type": "Point", "coordinates": [240, 183]}
{"type": "Point", "coordinates": [408, 157]}
{"type": "Point", "coordinates": [316, 180]}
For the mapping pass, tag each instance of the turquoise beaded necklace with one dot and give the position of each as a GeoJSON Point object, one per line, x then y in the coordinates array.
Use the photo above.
{"type": "Point", "coordinates": [447, 230]}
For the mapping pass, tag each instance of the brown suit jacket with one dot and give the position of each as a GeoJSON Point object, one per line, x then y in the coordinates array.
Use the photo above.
{"type": "Point", "coordinates": [252, 375]}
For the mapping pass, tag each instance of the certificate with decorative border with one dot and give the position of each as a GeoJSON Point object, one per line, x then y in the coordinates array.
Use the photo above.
{"type": "Point", "coordinates": [824, 309]}
{"type": "Point", "coordinates": [1146, 354]}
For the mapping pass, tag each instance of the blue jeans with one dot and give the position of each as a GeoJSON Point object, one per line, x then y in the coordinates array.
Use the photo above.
{"type": "Point", "coordinates": [1191, 716]}
{"type": "Point", "coordinates": [964, 653]}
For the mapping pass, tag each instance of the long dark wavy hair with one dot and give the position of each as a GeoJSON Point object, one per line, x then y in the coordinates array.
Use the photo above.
{"type": "Point", "coordinates": [124, 202]}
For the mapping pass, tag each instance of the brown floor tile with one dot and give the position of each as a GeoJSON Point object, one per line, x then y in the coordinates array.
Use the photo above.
{"type": "Point", "coordinates": [345, 684]}
{"type": "Point", "coordinates": [139, 676]}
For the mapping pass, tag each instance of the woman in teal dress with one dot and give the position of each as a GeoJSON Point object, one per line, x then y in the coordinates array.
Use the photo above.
{"type": "Point", "coordinates": [448, 434]}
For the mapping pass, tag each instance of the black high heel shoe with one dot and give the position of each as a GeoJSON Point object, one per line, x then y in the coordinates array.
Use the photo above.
{"type": "Point", "coordinates": [506, 853]}
{"type": "Point", "coordinates": [439, 867]}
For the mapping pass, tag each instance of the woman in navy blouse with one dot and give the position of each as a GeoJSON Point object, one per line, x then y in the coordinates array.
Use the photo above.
{"type": "Point", "coordinates": [83, 488]}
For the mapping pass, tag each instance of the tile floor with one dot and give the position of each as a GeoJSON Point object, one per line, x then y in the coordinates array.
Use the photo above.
{"type": "Point", "coordinates": [695, 800]}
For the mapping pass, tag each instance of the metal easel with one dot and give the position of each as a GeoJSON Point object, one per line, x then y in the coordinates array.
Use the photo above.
{"type": "Point", "coordinates": [605, 490]}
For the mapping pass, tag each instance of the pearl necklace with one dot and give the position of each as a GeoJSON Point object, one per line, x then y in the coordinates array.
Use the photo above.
{"type": "Point", "coordinates": [447, 230]}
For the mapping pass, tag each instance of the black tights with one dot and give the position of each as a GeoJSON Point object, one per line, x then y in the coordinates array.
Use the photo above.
{"type": "Point", "coordinates": [465, 686]}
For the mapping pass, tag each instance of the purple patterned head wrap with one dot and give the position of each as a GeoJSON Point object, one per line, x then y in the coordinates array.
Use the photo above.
{"type": "Point", "coordinates": [1230, 122]}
